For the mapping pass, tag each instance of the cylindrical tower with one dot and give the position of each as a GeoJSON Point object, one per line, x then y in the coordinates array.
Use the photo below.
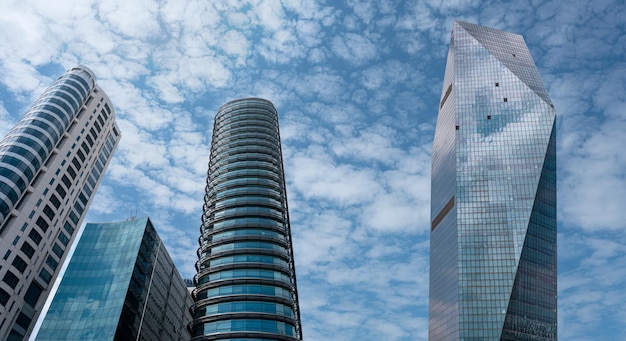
{"type": "Point", "coordinates": [246, 282]}
{"type": "Point", "coordinates": [28, 145]}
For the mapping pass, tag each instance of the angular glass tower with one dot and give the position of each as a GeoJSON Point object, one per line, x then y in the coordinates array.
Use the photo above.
{"type": "Point", "coordinates": [246, 282]}
{"type": "Point", "coordinates": [51, 164]}
{"type": "Point", "coordinates": [120, 284]}
{"type": "Point", "coordinates": [493, 205]}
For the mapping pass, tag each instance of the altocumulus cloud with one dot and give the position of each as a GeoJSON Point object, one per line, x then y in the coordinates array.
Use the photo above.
{"type": "Point", "coordinates": [356, 86]}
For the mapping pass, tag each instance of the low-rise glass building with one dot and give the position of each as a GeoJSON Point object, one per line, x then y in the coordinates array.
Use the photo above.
{"type": "Point", "coordinates": [120, 284]}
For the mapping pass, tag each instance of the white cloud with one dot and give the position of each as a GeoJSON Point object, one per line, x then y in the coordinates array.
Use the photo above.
{"type": "Point", "coordinates": [354, 48]}
{"type": "Point", "coordinates": [356, 86]}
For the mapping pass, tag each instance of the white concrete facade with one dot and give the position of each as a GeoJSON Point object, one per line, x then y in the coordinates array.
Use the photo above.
{"type": "Point", "coordinates": [51, 164]}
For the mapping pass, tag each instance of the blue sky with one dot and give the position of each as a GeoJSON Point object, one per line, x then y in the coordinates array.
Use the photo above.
{"type": "Point", "coordinates": [357, 86]}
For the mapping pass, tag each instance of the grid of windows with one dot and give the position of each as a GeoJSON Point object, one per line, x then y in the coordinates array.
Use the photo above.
{"type": "Point", "coordinates": [39, 201]}
{"type": "Point", "coordinates": [120, 273]}
{"type": "Point", "coordinates": [245, 247]}
{"type": "Point", "coordinates": [493, 254]}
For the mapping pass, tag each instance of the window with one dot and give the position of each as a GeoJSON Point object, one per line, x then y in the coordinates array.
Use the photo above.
{"type": "Point", "coordinates": [11, 279]}
{"type": "Point", "coordinates": [28, 250]}
{"type": "Point", "coordinates": [73, 216]}
{"type": "Point", "coordinates": [55, 201]}
{"type": "Point", "coordinates": [45, 275]}
{"type": "Point", "coordinates": [35, 236]}
{"type": "Point", "coordinates": [52, 263]}
{"type": "Point", "coordinates": [49, 212]}
{"type": "Point", "coordinates": [76, 163]}
{"type": "Point", "coordinates": [81, 155]}
{"type": "Point", "coordinates": [4, 297]}
{"type": "Point", "coordinates": [61, 191]}
{"type": "Point", "coordinates": [497, 84]}
{"type": "Point", "coordinates": [66, 181]}
{"type": "Point", "coordinates": [32, 294]}
{"type": "Point", "coordinates": [57, 250]}
{"type": "Point", "coordinates": [19, 264]}
{"type": "Point", "coordinates": [23, 321]}
{"type": "Point", "coordinates": [82, 198]}
{"type": "Point", "coordinates": [505, 99]}
{"type": "Point", "coordinates": [71, 172]}
{"type": "Point", "coordinates": [68, 227]}
{"type": "Point", "coordinates": [85, 148]}
{"type": "Point", "coordinates": [63, 238]}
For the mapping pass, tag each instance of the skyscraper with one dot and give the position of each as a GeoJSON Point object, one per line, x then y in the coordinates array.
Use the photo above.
{"type": "Point", "coordinates": [120, 284]}
{"type": "Point", "coordinates": [493, 206]}
{"type": "Point", "coordinates": [246, 282]}
{"type": "Point", "coordinates": [51, 164]}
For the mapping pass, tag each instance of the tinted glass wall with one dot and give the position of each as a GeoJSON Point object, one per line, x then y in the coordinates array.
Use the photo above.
{"type": "Point", "coordinates": [246, 283]}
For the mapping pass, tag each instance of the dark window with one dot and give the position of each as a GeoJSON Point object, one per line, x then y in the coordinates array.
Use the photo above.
{"type": "Point", "coordinates": [45, 275]}
{"type": "Point", "coordinates": [89, 140]}
{"type": "Point", "coordinates": [71, 172]}
{"type": "Point", "coordinates": [497, 84]}
{"type": "Point", "coordinates": [43, 225]}
{"type": "Point", "coordinates": [23, 321]}
{"type": "Point", "coordinates": [6, 255]}
{"type": "Point", "coordinates": [81, 155]}
{"type": "Point", "coordinates": [4, 297]}
{"type": "Point", "coordinates": [85, 148]}
{"type": "Point", "coordinates": [55, 201]}
{"type": "Point", "coordinates": [27, 249]}
{"type": "Point", "coordinates": [100, 120]}
{"type": "Point", "coordinates": [61, 191]}
{"type": "Point", "coordinates": [488, 117]}
{"type": "Point", "coordinates": [82, 198]}
{"type": "Point", "coordinates": [32, 294]}
{"type": "Point", "coordinates": [63, 238]}
{"type": "Point", "coordinates": [66, 181]}
{"type": "Point", "coordinates": [505, 99]}
{"type": "Point", "coordinates": [69, 228]}
{"type": "Point", "coordinates": [49, 212]}
{"type": "Point", "coordinates": [95, 124]}
{"type": "Point", "coordinates": [19, 264]}
{"type": "Point", "coordinates": [52, 263]}
{"type": "Point", "coordinates": [76, 163]}
{"type": "Point", "coordinates": [73, 216]}
{"type": "Point", "coordinates": [11, 279]}
{"type": "Point", "coordinates": [35, 236]}
{"type": "Point", "coordinates": [57, 250]}
{"type": "Point", "coordinates": [14, 335]}
{"type": "Point", "coordinates": [79, 208]}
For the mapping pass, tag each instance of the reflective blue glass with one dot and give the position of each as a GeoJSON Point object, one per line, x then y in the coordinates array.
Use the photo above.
{"type": "Point", "coordinates": [493, 207]}
{"type": "Point", "coordinates": [245, 247]}
{"type": "Point", "coordinates": [119, 275]}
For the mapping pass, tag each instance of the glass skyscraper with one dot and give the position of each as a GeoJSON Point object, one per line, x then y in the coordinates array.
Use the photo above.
{"type": "Point", "coordinates": [246, 282]}
{"type": "Point", "coordinates": [493, 228]}
{"type": "Point", "coordinates": [51, 164]}
{"type": "Point", "coordinates": [120, 284]}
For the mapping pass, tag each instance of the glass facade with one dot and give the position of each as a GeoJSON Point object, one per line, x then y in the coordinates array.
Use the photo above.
{"type": "Point", "coordinates": [493, 207]}
{"type": "Point", "coordinates": [120, 284]}
{"type": "Point", "coordinates": [51, 164]}
{"type": "Point", "coordinates": [246, 282]}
